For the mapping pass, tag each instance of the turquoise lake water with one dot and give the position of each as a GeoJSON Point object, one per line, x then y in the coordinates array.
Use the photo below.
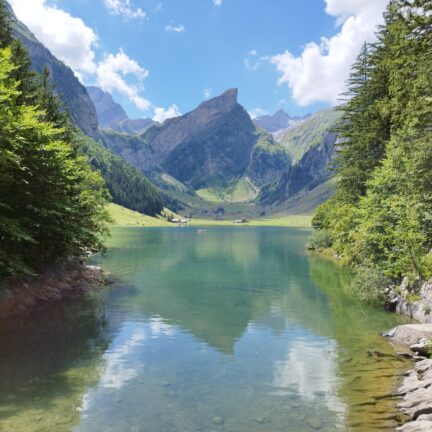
{"type": "Point", "coordinates": [234, 329]}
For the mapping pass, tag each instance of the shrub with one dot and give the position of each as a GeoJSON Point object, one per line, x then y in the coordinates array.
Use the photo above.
{"type": "Point", "coordinates": [320, 239]}
{"type": "Point", "coordinates": [370, 284]}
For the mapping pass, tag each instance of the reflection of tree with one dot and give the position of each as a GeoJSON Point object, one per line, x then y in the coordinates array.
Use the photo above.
{"type": "Point", "coordinates": [47, 362]}
{"type": "Point", "coordinates": [356, 328]}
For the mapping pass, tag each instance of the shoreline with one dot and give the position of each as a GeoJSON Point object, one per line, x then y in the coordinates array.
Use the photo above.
{"type": "Point", "coordinates": [23, 294]}
{"type": "Point", "coordinates": [415, 390]}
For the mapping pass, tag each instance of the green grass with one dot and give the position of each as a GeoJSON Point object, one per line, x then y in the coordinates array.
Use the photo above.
{"type": "Point", "coordinates": [309, 133]}
{"type": "Point", "coordinates": [238, 192]}
{"type": "Point", "coordinates": [125, 217]}
{"type": "Point", "coordinates": [128, 218]}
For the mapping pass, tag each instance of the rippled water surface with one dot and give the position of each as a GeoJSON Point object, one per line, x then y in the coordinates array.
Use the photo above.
{"type": "Point", "coordinates": [236, 329]}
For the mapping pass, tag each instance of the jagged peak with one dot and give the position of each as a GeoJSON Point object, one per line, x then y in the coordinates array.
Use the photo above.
{"type": "Point", "coordinates": [231, 93]}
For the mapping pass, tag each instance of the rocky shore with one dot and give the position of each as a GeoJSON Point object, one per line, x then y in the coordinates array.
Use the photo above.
{"type": "Point", "coordinates": [18, 295]}
{"type": "Point", "coordinates": [415, 301]}
{"type": "Point", "coordinates": [416, 388]}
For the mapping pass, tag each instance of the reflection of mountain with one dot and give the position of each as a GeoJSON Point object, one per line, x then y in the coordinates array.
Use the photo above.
{"type": "Point", "coordinates": [216, 284]}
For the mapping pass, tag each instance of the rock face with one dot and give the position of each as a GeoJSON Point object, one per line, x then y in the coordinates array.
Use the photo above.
{"type": "Point", "coordinates": [215, 143]}
{"type": "Point", "coordinates": [107, 109]}
{"type": "Point", "coordinates": [420, 309]}
{"type": "Point", "coordinates": [72, 92]}
{"type": "Point", "coordinates": [276, 122]}
{"type": "Point", "coordinates": [312, 170]}
{"type": "Point", "coordinates": [111, 115]}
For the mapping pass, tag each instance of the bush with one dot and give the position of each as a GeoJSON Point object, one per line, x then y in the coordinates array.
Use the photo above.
{"type": "Point", "coordinates": [320, 239]}
{"type": "Point", "coordinates": [370, 284]}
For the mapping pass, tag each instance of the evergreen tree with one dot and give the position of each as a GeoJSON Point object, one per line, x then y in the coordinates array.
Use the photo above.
{"type": "Point", "coordinates": [381, 215]}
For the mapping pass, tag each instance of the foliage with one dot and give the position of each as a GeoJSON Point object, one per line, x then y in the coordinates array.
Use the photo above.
{"type": "Point", "coordinates": [381, 216]}
{"type": "Point", "coordinates": [127, 186]}
{"type": "Point", "coordinates": [52, 203]}
{"type": "Point", "coordinates": [370, 283]}
{"type": "Point", "coordinates": [320, 239]}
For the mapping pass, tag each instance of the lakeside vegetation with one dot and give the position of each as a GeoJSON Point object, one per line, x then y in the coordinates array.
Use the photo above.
{"type": "Point", "coordinates": [52, 202]}
{"type": "Point", "coordinates": [380, 219]}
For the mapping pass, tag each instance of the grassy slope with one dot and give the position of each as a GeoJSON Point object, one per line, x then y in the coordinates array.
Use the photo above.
{"type": "Point", "coordinates": [299, 139]}
{"type": "Point", "coordinates": [125, 217]}
{"type": "Point", "coordinates": [240, 191]}
{"type": "Point", "coordinates": [129, 218]}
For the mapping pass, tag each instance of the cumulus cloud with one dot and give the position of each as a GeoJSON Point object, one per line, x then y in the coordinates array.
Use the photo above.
{"type": "Point", "coordinates": [67, 37]}
{"type": "Point", "coordinates": [217, 2]}
{"type": "Point", "coordinates": [161, 114]}
{"type": "Point", "coordinates": [124, 9]}
{"type": "Point", "coordinates": [114, 72]}
{"type": "Point", "coordinates": [319, 74]}
{"type": "Point", "coordinates": [175, 28]}
{"type": "Point", "coordinates": [207, 92]}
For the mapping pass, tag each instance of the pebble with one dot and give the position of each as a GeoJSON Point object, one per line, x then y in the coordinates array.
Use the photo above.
{"type": "Point", "coordinates": [314, 423]}
{"type": "Point", "coordinates": [259, 419]}
{"type": "Point", "coordinates": [218, 420]}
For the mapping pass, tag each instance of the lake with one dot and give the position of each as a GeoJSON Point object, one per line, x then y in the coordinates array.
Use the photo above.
{"type": "Point", "coordinates": [235, 329]}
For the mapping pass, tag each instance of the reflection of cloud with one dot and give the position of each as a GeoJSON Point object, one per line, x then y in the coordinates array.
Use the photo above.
{"type": "Point", "coordinates": [117, 373]}
{"type": "Point", "coordinates": [119, 368]}
{"type": "Point", "coordinates": [311, 370]}
{"type": "Point", "coordinates": [159, 327]}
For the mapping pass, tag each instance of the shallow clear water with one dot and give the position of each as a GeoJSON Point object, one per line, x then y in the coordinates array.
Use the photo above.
{"type": "Point", "coordinates": [236, 329]}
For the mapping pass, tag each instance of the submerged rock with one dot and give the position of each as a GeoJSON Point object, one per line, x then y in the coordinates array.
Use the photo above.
{"type": "Point", "coordinates": [218, 420]}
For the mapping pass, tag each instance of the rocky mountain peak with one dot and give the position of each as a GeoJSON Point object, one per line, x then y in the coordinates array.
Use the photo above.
{"type": "Point", "coordinates": [221, 104]}
{"type": "Point", "coordinates": [107, 109]}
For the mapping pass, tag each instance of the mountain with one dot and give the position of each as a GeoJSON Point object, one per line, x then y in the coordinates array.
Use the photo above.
{"type": "Point", "coordinates": [308, 133]}
{"type": "Point", "coordinates": [312, 147]}
{"type": "Point", "coordinates": [111, 114]}
{"type": "Point", "coordinates": [108, 111]}
{"type": "Point", "coordinates": [127, 186]}
{"type": "Point", "coordinates": [72, 92]}
{"type": "Point", "coordinates": [214, 144]}
{"type": "Point", "coordinates": [276, 122]}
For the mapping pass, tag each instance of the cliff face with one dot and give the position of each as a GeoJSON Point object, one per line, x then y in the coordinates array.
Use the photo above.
{"type": "Point", "coordinates": [111, 114]}
{"type": "Point", "coordinates": [73, 94]}
{"type": "Point", "coordinates": [108, 111]}
{"type": "Point", "coordinates": [215, 143]}
{"type": "Point", "coordinates": [276, 122]}
{"type": "Point", "coordinates": [313, 142]}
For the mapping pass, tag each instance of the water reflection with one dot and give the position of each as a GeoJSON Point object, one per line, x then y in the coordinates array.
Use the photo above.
{"type": "Point", "coordinates": [234, 330]}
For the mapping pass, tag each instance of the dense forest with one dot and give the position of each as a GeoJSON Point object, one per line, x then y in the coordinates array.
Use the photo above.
{"type": "Point", "coordinates": [380, 218]}
{"type": "Point", "coordinates": [52, 202]}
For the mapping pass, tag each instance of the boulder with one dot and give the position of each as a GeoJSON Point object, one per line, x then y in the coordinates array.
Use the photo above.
{"type": "Point", "coordinates": [409, 334]}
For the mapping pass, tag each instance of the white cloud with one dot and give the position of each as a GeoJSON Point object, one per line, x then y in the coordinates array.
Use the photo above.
{"type": "Point", "coordinates": [173, 28]}
{"type": "Point", "coordinates": [217, 2]}
{"type": "Point", "coordinates": [253, 61]}
{"type": "Point", "coordinates": [115, 73]}
{"type": "Point", "coordinates": [207, 92]}
{"type": "Point", "coordinates": [319, 74]}
{"type": "Point", "coordinates": [73, 42]}
{"type": "Point", "coordinates": [257, 112]}
{"type": "Point", "coordinates": [124, 9]}
{"type": "Point", "coordinates": [67, 37]}
{"type": "Point", "coordinates": [161, 114]}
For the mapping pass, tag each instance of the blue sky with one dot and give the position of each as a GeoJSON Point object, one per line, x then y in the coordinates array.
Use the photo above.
{"type": "Point", "coordinates": [163, 57]}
